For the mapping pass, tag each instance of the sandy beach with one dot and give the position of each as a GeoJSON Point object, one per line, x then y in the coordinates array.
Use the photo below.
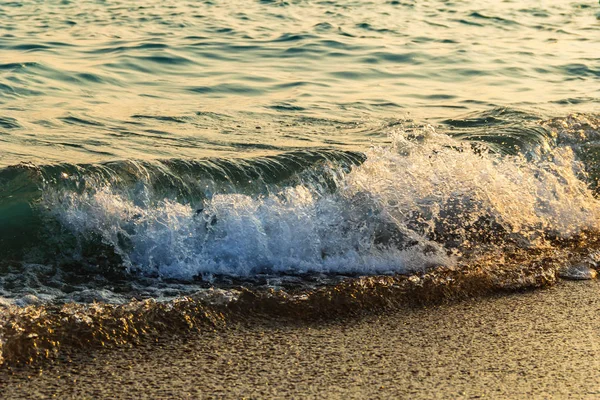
{"type": "Point", "coordinates": [540, 344]}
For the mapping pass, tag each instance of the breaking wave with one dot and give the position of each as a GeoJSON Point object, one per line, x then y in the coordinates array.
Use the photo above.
{"type": "Point", "coordinates": [420, 202]}
{"type": "Point", "coordinates": [478, 204]}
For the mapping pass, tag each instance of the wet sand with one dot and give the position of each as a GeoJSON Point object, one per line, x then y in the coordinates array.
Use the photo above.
{"type": "Point", "coordinates": [541, 344]}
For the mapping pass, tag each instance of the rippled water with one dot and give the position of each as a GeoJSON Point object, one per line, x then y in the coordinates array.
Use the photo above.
{"type": "Point", "coordinates": [200, 148]}
{"type": "Point", "coordinates": [102, 80]}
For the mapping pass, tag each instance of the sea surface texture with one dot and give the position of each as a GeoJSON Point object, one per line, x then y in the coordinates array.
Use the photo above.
{"type": "Point", "coordinates": [159, 149]}
{"type": "Point", "coordinates": [94, 81]}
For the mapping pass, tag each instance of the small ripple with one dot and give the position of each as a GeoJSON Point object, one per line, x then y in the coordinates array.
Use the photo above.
{"type": "Point", "coordinates": [289, 85]}
{"type": "Point", "coordinates": [260, 146]}
{"type": "Point", "coordinates": [157, 132]}
{"type": "Point", "coordinates": [494, 116]}
{"type": "Point", "coordinates": [14, 66]}
{"type": "Point", "coordinates": [503, 21]}
{"type": "Point", "coordinates": [304, 51]}
{"type": "Point", "coordinates": [123, 48]}
{"type": "Point", "coordinates": [370, 28]}
{"type": "Point", "coordinates": [128, 65]}
{"type": "Point", "coordinates": [536, 12]}
{"type": "Point", "coordinates": [290, 37]}
{"type": "Point", "coordinates": [92, 78]}
{"type": "Point", "coordinates": [80, 121]}
{"type": "Point", "coordinates": [9, 123]}
{"type": "Point", "coordinates": [466, 22]}
{"type": "Point", "coordinates": [226, 88]}
{"type": "Point", "coordinates": [286, 107]}
{"type": "Point", "coordinates": [401, 58]}
{"type": "Point", "coordinates": [323, 27]}
{"type": "Point", "coordinates": [12, 91]}
{"type": "Point", "coordinates": [179, 120]}
{"type": "Point", "coordinates": [334, 44]}
{"type": "Point", "coordinates": [280, 3]}
{"type": "Point", "coordinates": [30, 47]}
{"type": "Point", "coordinates": [86, 148]}
{"type": "Point", "coordinates": [438, 96]}
{"type": "Point", "coordinates": [577, 100]}
{"type": "Point", "coordinates": [169, 59]}
{"type": "Point", "coordinates": [580, 70]}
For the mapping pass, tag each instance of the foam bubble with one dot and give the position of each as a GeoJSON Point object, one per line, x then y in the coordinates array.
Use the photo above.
{"type": "Point", "coordinates": [415, 204]}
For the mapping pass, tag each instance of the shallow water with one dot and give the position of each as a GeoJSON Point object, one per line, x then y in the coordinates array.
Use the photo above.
{"type": "Point", "coordinates": [168, 149]}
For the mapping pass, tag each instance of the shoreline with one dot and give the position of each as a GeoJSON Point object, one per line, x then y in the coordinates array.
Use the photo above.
{"type": "Point", "coordinates": [540, 344]}
{"type": "Point", "coordinates": [33, 334]}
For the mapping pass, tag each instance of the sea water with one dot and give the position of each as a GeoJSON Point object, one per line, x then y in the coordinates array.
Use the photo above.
{"type": "Point", "coordinates": [168, 148]}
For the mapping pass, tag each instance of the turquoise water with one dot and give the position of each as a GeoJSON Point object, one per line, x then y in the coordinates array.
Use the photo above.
{"type": "Point", "coordinates": [199, 142]}
{"type": "Point", "coordinates": [90, 81]}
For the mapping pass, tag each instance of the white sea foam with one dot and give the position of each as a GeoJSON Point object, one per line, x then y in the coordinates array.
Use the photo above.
{"type": "Point", "coordinates": [381, 219]}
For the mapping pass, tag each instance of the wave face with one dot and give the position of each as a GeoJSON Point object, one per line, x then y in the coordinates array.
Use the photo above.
{"type": "Point", "coordinates": [430, 198]}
